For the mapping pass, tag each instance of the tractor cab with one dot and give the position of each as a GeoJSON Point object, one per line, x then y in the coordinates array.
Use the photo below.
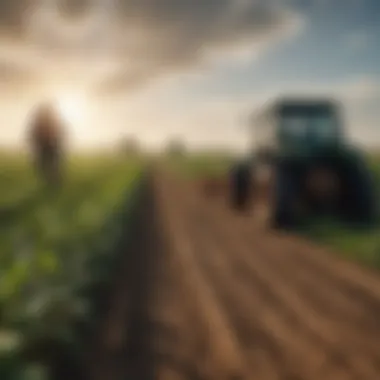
{"type": "Point", "coordinates": [308, 128]}
{"type": "Point", "coordinates": [298, 127]}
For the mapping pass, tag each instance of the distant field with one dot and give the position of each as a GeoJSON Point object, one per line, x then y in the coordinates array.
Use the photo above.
{"type": "Point", "coordinates": [55, 245]}
{"type": "Point", "coordinates": [200, 165]}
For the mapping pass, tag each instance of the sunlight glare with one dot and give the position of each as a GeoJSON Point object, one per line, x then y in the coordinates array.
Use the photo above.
{"type": "Point", "coordinates": [73, 110]}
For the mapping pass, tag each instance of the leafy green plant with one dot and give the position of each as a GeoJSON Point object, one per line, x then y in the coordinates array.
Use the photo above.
{"type": "Point", "coordinates": [54, 245]}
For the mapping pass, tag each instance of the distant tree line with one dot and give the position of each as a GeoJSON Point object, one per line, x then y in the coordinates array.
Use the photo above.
{"type": "Point", "coordinates": [130, 146]}
{"type": "Point", "coordinates": [175, 148]}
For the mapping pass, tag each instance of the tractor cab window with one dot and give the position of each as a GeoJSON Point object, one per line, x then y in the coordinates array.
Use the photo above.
{"type": "Point", "coordinates": [293, 128]}
{"type": "Point", "coordinates": [324, 127]}
{"type": "Point", "coordinates": [307, 128]}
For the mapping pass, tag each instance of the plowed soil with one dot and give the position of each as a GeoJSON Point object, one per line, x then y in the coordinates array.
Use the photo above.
{"type": "Point", "coordinates": [206, 294]}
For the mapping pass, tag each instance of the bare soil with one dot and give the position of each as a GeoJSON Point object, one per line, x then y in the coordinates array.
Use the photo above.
{"type": "Point", "coordinates": [206, 294]}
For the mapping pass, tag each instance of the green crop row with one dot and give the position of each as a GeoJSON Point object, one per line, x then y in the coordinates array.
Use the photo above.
{"type": "Point", "coordinates": [54, 247]}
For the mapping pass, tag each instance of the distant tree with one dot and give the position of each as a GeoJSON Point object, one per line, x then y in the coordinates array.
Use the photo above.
{"type": "Point", "coordinates": [176, 148]}
{"type": "Point", "coordinates": [130, 146]}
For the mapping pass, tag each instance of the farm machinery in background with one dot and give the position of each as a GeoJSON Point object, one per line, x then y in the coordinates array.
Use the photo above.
{"type": "Point", "coordinates": [302, 166]}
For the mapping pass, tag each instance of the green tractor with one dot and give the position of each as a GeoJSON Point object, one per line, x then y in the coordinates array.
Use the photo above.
{"type": "Point", "coordinates": [302, 166]}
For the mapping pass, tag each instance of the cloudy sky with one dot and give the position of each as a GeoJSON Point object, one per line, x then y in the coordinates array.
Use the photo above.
{"type": "Point", "coordinates": [184, 68]}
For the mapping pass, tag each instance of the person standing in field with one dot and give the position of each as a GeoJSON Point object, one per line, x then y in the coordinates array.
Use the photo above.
{"type": "Point", "coordinates": [46, 141]}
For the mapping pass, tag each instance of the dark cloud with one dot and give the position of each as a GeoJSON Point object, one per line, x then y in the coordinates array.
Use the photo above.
{"type": "Point", "coordinates": [188, 25]}
{"type": "Point", "coordinates": [13, 14]}
{"type": "Point", "coordinates": [157, 36]}
{"type": "Point", "coordinates": [180, 33]}
{"type": "Point", "coordinates": [73, 8]}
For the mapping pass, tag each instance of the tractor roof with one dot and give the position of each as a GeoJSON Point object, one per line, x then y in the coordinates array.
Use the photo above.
{"type": "Point", "coordinates": [289, 104]}
{"type": "Point", "coordinates": [307, 104]}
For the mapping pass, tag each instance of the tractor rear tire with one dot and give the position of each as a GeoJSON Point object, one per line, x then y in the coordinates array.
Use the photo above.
{"type": "Point", "coordinates": [360, 199]}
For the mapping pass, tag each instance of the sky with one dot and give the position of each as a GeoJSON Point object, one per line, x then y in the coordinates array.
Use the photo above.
{"type": "Point", "coordinates": [189, 69]}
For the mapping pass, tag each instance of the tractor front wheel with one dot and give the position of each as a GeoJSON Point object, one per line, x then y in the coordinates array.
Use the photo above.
{"type": "Point", "coordinates": [240, 187]}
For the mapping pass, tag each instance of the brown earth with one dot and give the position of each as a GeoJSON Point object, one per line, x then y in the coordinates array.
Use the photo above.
{"type": "Point", "coordinates": [205, 294]}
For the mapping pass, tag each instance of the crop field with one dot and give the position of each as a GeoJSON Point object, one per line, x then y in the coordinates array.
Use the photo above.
{"type": "Point", "coordinates": [55, 246]}
{"type": "Point", "coordinates": [201, 165]}
{"type": "Point", "coordinates": [132, 272]}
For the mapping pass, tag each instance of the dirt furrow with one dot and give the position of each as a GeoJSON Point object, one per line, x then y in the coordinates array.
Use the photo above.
{"type": "Point", "coordinates": [221, 357]}
{"type": "Point", "coordinates": [359, 282]}
{"type": "Point", "coordinates": [180, 345]}
{"type": "Point", "coordinates": [330, 293]}
{"type": "Point", "coordinates": [176, 346]}
{"type": "Point", "coordinates": [356, 296]}
{"type": "Point", "coordinates": [258, 350]}
{"type": "Point", "coordinates": [267, 311]}
{"type": "Point", "coordinates": [258, 329]}
{"type": "Point", "coordinates": [344, 345]}
{"type": "Point", "coordinates": [334, 303]}
{"type": "Point", "coordinates": [291, 296]}
{"type": "Point", "coordinates": [363, 324]}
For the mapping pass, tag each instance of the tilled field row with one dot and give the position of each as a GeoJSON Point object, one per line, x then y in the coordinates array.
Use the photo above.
{"type": "Point", "coordinates": [209, 295]}
{"type": "Point", "coordinates": [284, 309]}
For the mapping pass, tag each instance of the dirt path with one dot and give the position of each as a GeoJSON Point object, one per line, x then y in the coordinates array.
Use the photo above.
{"type": "Point", "coordinates": [205, 294]}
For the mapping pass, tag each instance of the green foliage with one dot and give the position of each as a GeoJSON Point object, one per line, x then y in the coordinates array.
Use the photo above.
{"type": "Point", "coordinates": [54, 243]}
{"type": "Point", "coordinates": [201, 165]}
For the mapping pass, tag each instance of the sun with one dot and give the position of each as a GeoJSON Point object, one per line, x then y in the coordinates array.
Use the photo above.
{"type": "Point", "coordinates": [71, 108]}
